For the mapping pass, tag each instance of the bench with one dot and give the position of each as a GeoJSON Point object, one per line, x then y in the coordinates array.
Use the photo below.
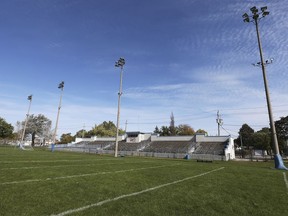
{"type": "Point", "coordinates": [204, 161]}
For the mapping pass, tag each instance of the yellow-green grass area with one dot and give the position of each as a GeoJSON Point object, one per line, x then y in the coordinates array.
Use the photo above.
{"type": "Point", "coordinates": [40, 182]}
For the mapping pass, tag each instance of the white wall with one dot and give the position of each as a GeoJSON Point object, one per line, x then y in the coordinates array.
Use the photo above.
{"type": "Point", "coordinates": [133, 139]}
{"type": "Point", "coordinates": [204, 138]}
{"type": "Point", "coordinates": [95, 138]}
{"type": "Point", "coordinates": [108, 138]}
{"type": "Point", "coordinates": [139, 138]}
{"type": "Point", "coordinates": [230, 150]}
{"type": "Point", "coordinates": [170, 138]}
{"type": "Point", "coordinates": [148, 135]}
{"type": "Point", "coordinates": [79, 139]}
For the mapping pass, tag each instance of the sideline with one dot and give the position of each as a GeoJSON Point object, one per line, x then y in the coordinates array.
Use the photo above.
{"type": "Point", "coordinates": [134, 194]}
{"type": "Point", "coordinates": [286, 181]}
{"type": "Point", "coordinates": [73, 165]}
{"type": "Point", "coordinates": [83, 175]}
{"type": "Point", "coordinates": [47, 161]}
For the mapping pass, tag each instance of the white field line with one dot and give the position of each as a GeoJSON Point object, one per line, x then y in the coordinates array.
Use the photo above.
{"type": "Point", "coordinates": [285, 180]}
{"type": "Point", "coordinates": [74, 165]}
{"type": "Point", "coordinates": [41, 161]}
{"type": "Point", "coordinates": [82, 175]}
{"type": "Point", "coordinates": [134, 194]}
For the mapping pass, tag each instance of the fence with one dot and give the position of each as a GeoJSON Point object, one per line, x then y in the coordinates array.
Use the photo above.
{"type": "Point", "coordinates": [89, 150]}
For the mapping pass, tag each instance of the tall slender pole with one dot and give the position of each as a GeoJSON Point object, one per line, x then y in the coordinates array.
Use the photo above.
{"type": "Point", "coordinates": [120, 64]}
{"type": "Point", "coordinates": [118, 112]}
{"type": "Point", "coordinates": [27, 116]}
{"type": "Point", "coordinates": [272, 125]}
{"type": "Point", "coordinates": [126, 126]}
{"type": "Point", "coordinates": [61, 86]}
{"type": "Point", "coordinates": [256, 16]}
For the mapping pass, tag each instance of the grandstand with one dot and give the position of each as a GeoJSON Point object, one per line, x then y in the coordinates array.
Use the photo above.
{"type": "Point", "coordinates": [169, 147]}
{"type": "Point", "coordinates": [199, 146]}
{"type": "Point", "coordinates": [210, 148]}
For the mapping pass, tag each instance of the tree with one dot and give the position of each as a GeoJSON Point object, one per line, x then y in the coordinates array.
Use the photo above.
{"type": "Point", "coordinates": [156, 130]}
{"type": "Point", "coordinates": [172, 125]}
{"type": "Point", "coordinates": [106, 129]}
{"type": "Point", "coordinates": [67, 138]}
{"type": "Point", "coordinates": [38, 125]}
{"type": "Point", "coordinates": [264, 130]}
{"type": "Point", "coordinates": [185, 130]}
{"type": "Point", "coordinates": [165, 131]}
{"type": "Point", "coordinates": [18, 130]}
{"type": "Point", "coordinates": [82, 132]}
{"type": "Point", "coordinates": [245, 134]}
{"type": "Point", "coordinates": [262, 139]}
{"type": "Point", "coordinates": [181, 130]}
{"type": "Point", "coordinates": [282, 128]}
{"type": "Point", "coordinates": [282, 133]}
{"type": "Point", "coordinates": [201, 131]}
{"type": "Point", "coordinates": [6, 130]}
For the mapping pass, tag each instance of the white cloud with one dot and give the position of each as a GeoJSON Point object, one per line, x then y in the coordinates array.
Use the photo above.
{"type": "Point", "coordinates": [207, 68]}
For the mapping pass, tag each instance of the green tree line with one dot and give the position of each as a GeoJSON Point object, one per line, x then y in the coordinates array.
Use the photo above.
{"type": "Point", "coordinates": [262, 139]}
{"type": "Point", "coordinates": [105, 129]}
{"type": "Point", "coordinates": [248, 138]}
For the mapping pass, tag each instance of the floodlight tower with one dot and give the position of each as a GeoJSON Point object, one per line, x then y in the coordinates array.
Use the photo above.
{"type": "Point", "coordinates": [120, 63]}
{"type": "Point", "coordinates": [27, 116]}
{"type": "Point", "coordinates": [61, 86]}
{"type": "Point", "coordinates": [255, 18]}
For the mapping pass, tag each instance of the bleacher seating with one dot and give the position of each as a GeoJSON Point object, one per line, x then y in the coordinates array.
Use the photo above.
{"type": "Point", "coordinates": [124, 146]}
{"type": "Point", "coordinates": [214, 148]}
{"type": "Point", "coordinates": [169, 146]}
{"type": "Point", "coordinates": [99, 144]}
{"type": "Point", "coordinates": [82, 143]}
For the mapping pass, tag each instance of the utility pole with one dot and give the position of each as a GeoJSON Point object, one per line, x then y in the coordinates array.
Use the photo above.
{"type": "Point", "coordinates": [256, 16]}
{"type": "Point", "coordinates": [219, 122]}
{"type": "Point", "coordinates": [126, 126]}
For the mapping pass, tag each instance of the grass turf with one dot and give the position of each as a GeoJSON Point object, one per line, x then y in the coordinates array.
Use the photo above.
{"type": "Point", "coordinates": [43, 183]}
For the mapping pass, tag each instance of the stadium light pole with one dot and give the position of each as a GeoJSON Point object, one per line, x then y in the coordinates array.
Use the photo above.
{"type": "Point", "coordinates": [27, 116]}
{"type": "Point", "coordinates": [255, 18]}
{"type": "Point", "coordinates": [61, 86]}
{"type": "Point", "coordinates": [120, 63]}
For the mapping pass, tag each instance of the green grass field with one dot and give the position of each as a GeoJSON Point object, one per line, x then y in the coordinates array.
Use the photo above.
{"type": "Point", "coordinates": [40, 182]}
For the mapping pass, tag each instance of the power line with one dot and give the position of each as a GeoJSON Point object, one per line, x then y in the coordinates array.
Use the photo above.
{"type": "Point", "coordinates": [233, 125]}
{"type": "Point", "coordinates": [245, 108]}
{"type": "Point", "coordinates": [229, 132]}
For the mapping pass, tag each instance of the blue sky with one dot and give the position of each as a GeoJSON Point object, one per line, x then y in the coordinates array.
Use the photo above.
{"type": "Point", "coordinates": [189, 57]}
